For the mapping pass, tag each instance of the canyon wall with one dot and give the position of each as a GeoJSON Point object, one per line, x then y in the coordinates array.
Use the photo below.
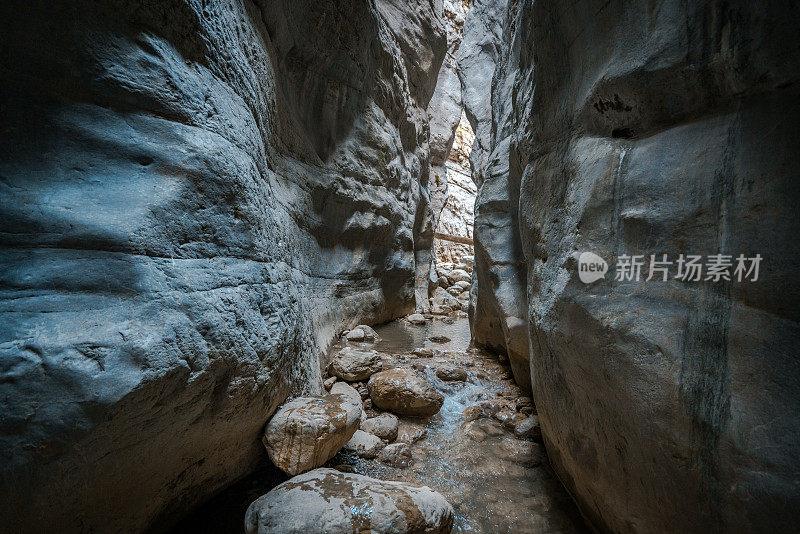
{"type": "Point", "coordinates": [651, 128]}
{"type": "Point", "coordinates": [196, 197]}
{"type": "Point", "coordinates": [498, 311]}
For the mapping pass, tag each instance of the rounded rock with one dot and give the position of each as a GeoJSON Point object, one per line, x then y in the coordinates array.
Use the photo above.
{"type": "Point", "coordinates": [402, 391]}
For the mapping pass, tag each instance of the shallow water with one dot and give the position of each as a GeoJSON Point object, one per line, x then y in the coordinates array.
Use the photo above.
{"type": "Point", "coordinates": [495, 482]}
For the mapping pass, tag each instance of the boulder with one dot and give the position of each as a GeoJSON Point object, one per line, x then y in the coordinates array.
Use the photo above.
{"type": "Point", "coordinates": [402, 391]}
{"type": "Point", "coordinates": [369, 334]}
{"type": "Point", "coordinates": [451, 374]}
{"type": "Point", "coordinates": [356, 334]}
{"type": "Point", "coordinates": [384, 426]}
{"type": "Point", "coordinates": [353, 364]}
{"type": "Point", "coordinates": [459, 275]}
{"type": "Point", "coordinates": [343, 388]}
{"type": "Point", "coordinates": [328, 501]}
{"type": "Point", "coordinates": [308, 431]}
{"type": "Point", "coordinates": [417, 319]}
{"type": "Point", "coordinates": [364, 445]}
{"type": "Point", "coordinates": [396, 455]}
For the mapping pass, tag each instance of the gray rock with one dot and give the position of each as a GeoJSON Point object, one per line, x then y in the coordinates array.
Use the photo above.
{"type": "Point", "coordinates": [331, 502]}
{"type": "Point", "coordinates": [404, 392]}
{"type": "Point", "coordinates": [459, 275]}
{"type": "Point", "coordinates": [329, 382]}
{"type": "Point", "coordinates": [529, 428]}
{"type": "Point", "coordinates": [396, 455]}
{"type": "Point", "coordinates": [195, 197]}
{"type": "Point", "coordinates": [352, 364]}
{"type": "Point", "coordinates": [410, 433]}
{"type": "Point", "coordinates": [364, 445]}
{"type": "Point", "coordinates": [677, 139]}
{"type": "Point", "coordinates": [308, 431]}
{"type": "Point", "coordinates": [369, 333]}
{"type": "Point", "coordinates": [356, 334]}
{"type": "Point", "coordinates": [384, 426]}
{"type": "Point", "coordinates": [416, 319]}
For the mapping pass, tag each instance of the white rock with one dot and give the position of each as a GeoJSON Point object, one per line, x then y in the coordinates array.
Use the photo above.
{"type": "Point", "coordinates": [384, 426]}
{"type": "Point", "coordinates": [353, 364]}
{"type": "Point", "coordinates": [328, 501]}
{"type": "Point", "coordinates": [364, 445]}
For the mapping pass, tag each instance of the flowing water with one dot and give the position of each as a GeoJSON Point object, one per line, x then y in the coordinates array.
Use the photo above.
{"type": "Point", "coordinates": [495, 482]}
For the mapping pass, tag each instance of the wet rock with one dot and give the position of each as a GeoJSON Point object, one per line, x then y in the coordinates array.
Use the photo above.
{"type": "Point", "coordinates": [384, 426]}
{"type": "Point", "coordinates": [364, 445]}
{"type": "Point", "coordinates": [308, 431]}
{"type": "Point", "coordinates": [471, 413]}
{"type": "Point", "coordinates": [356, 334]}
{"type": "Point", "coordinates": [329, 501]}
{"type": "Point", "coordinates": [396, 455]}
{"type": "Point", "coordinates": [329, 382]}
{"type": "Point", "coordinates": [529, 429]}
{"type": "Point", "coordinates": [369, 333]}
{"type": "Point", "coordinates": [423, 352]}
{"type": "Point", "coordinates": [402, 391]}
{"type": "Point", "coordinates": [448, 320]}
{"type": "Point", "coordinates": [410, 433]}
{"type": "Point", "coordinates": [491, 407]}
{"type": "Point", "coordinates": [344, 468]}
{"type": "Point", "coordinates": [451, 373]}
{"type": "Point", "coordinates": [416, 319]}
{"type": "Point", "coordinates": [352, 364]}
{"type": "Point", "coordinates": [439, 339]}
{"type": "Point", "coordinates": [504, 414]}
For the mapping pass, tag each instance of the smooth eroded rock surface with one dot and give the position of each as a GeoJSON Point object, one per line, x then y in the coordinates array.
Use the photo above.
{"type": "Point", "coordinates": [384, 426]}
{"type": "Point", "coordinates": [331, 502]}
{"type": "Point", "coordinates": [196, 197]}
{"type": "Point", "coordinates": [635, 128]}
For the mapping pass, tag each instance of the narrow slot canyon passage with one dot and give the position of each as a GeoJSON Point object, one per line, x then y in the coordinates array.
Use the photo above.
{"type": "Point", "coordinates": [421, 266]}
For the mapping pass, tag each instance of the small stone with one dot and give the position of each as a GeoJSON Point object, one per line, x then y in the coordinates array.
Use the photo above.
{"type": "Point", "coordinates": [503, 415]}
{"type": "Point", "coordinates": [529, 429]}
{"type": "Point", "coordinates": [356, 334]}
{"type": "Point", "coordinates": [416, 318]}
{"type": "Point", "coordinates": [439, 339]}
{"type": "Point", "coordinates": [367, 404]}
{"type": "Point", "coordinates": [502, 358]}
{"type": "Point", "coordinates": [451, 373]}
{"type": "Point", "coordinates": [384, 426]}
{"type": "Point", "coordinates": [364, 445]}
{"type": "Point", "coordinates": [410, 433]}
{"type": "Point", "coordinates": [448, 320]}
{"type": "Point", "coordinates": [423, 352]}
{"type": "Point", "coordinates": [329, 383]}
{"type": "Point", "coordinates": [396, 455]}
{"type": "Point", "coordinates": [471, 413]}
{"type": "Point", "coordinates": [344, 468]}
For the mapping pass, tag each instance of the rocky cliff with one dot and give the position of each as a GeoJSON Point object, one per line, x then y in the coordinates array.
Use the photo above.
{"type": "Point", "coordinates": [650, 128]}
{"type": "Point", "coordinates": [196, 196]}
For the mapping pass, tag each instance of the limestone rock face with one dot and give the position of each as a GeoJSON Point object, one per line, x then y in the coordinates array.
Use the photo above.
{"type": "Point", "coordinates": [499, 316]}
{"type": "Point", "coordinates": [308, 431]}
{"type": "Point", "coordinates": [352, 364]}
{"type": "Point", "coordinates": [196, 197]}
{"type": "Point", "coordinates": [404, 392]}
{"type": "Point", "coordinates": [331, 502]}
{"type": "Point", "coordinates": [668, 130]}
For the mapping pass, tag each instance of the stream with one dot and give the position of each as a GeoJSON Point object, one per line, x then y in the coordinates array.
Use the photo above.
{"type": "Point", "coordinates": [495, 482]}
